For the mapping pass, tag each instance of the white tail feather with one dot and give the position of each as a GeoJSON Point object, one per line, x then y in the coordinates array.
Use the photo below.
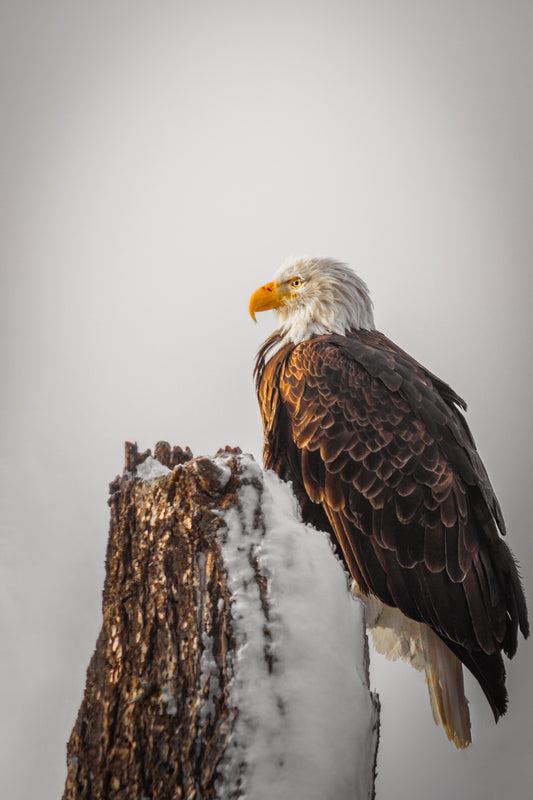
{"type": "Point", "coordinates": [396, 636]}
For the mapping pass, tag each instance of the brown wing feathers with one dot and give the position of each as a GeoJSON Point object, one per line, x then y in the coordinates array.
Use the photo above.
{"type": "Point", "coordinates": [377, 443]}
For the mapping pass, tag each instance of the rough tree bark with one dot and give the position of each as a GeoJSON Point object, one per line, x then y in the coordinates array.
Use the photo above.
{"type": "Point", "coordinates": [157, 717]}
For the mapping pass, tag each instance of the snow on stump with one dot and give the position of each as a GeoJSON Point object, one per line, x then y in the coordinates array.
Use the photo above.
{"type": "Point", "coordinates": [232, 660]}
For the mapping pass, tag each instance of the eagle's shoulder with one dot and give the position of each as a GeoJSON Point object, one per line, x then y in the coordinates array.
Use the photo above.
{"type": "Point", "coordinates": [362, 358]}
{"type": "Point", "coordinates": [365, 369]}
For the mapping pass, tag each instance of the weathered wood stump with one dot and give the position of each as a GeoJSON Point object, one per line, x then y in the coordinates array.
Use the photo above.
{"type": "Point", "coordinates": [192, 691]}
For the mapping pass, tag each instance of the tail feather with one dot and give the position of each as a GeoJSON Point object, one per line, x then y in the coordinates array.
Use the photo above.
{"type": "Point", "coordinates": [444, 677]}
{"type": "Point", "coordinates": [396, 636]}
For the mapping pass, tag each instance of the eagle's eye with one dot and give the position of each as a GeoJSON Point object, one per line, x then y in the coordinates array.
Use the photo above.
{"type": "Point", "coordinates": [296, 283]}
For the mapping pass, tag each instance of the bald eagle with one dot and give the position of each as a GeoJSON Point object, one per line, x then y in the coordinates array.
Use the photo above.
{"type": "Point", "coordinates": [380, 455]}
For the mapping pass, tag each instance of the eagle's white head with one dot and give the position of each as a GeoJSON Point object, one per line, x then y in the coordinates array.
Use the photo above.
{"type": "Point", "coordinates": [315, 296]}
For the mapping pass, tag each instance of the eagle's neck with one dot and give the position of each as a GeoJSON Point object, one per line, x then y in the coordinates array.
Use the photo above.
{"type": "Point", "coordinates": [298, 329]}
{"type": "Point", "coordinates": [338, 309]}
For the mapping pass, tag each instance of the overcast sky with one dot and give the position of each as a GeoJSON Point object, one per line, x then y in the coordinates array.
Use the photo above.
{"type": "Point", "coordinates": [159, 161]}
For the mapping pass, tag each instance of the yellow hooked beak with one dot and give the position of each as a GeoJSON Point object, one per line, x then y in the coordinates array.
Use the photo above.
{"type": "Point", "coordinates": [266, 297]}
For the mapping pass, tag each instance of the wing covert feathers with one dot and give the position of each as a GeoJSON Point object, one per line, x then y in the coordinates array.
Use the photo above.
{"type": "Point", "coordinates": [380, 455]}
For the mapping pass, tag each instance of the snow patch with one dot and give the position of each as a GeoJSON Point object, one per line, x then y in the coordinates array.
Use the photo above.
{"type": "Point", "coordinates": [225, 473]}
{"type": "Point", "coordinates": [307, 724]}
{"type": "Point", "coordinates": [151, 468]}
{"type": "Point", "coordinates": [167, 700]}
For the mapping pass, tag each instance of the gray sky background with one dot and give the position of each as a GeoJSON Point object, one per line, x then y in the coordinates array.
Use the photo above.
{"type": "Point", "coordinates": [159, 161]}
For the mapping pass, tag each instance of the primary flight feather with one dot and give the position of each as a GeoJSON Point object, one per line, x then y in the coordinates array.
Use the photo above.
{"type": "Point", "coordinates": [380, 455]}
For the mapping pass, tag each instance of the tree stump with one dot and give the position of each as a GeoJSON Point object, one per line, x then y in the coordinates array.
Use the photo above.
{"type": "Point", "coordinates": [221, 670]}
